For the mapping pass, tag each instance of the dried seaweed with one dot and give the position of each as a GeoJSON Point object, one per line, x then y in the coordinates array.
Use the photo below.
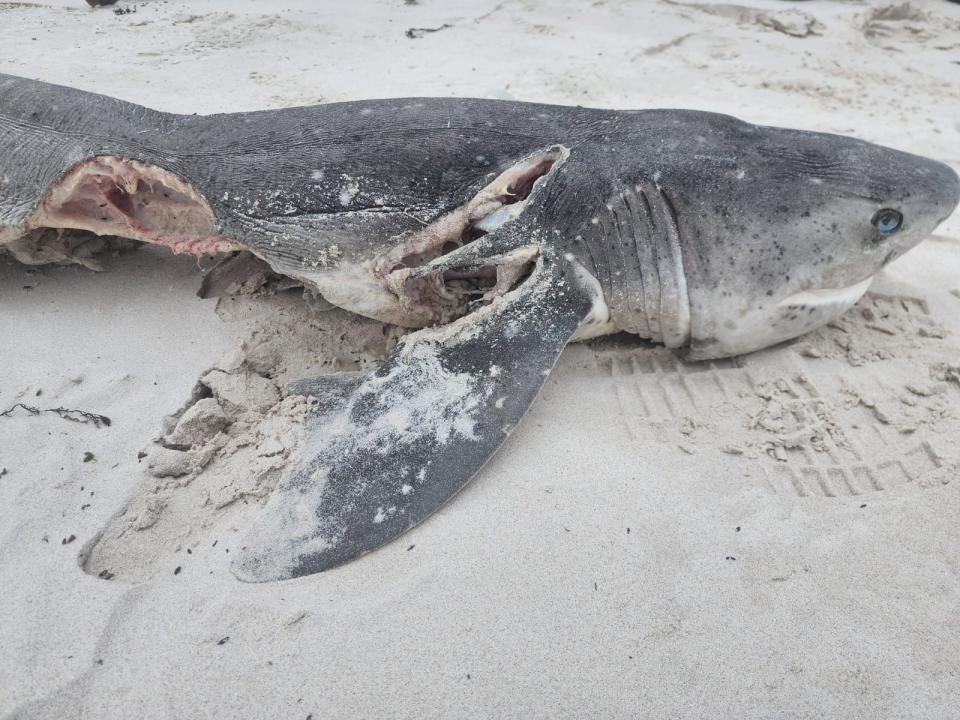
{"type": "Point", "coordinates": [79, 416]}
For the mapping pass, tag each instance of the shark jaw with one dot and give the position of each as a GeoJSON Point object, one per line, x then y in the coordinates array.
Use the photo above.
{"type": "Point", "coordinates": [828, 299]}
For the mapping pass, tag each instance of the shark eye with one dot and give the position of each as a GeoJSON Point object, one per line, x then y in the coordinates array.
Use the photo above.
{"type": "Point", "coordinates": [887, 221]}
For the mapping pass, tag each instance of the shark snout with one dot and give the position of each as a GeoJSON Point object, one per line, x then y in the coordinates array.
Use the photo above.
{"type": "Point", "coordinates": [929, 193]}
{"type": "Point", "coordinates": [923, 193]}
{"type": "Point", "coordinates": [947, 184]}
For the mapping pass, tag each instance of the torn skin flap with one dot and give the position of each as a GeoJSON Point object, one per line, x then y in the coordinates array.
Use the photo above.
{"type": "Point", "coordinates": [412, 434]}
{"type": "Point", "coordinates": [469, 241]}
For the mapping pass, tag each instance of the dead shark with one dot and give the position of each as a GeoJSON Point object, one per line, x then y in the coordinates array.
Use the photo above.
{"type": "Point", "coordinates": [499, 231]}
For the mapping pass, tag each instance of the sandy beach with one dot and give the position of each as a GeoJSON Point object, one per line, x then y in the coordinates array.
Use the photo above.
{"type": "Point", "coordinates": [768, 536]}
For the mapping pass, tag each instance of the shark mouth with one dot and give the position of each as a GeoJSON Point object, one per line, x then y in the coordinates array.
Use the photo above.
{"type": "Point", "coordinates": [828, 299]}
{"type": "Point", "coordinates": [436, 292]}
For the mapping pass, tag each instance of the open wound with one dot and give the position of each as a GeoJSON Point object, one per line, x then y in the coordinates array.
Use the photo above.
{"type": "Point", "coordinates": [443, 288]}
{"type": "Point", "coordinates": [108, 195]}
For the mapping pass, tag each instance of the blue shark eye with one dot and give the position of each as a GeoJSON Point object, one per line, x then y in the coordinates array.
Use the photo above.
{"type": "Point", "coordinates": [887, 221]}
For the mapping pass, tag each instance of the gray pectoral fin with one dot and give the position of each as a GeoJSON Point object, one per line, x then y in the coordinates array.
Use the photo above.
{"type": "Point", "coordinates": [409, 436]}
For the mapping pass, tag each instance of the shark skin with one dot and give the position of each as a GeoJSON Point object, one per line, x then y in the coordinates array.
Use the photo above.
{"type": "Point", "coordinates": [497, 230]}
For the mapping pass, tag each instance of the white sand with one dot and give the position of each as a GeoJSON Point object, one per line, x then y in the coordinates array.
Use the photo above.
{"type": "Point", "coordinates": [771, 537]}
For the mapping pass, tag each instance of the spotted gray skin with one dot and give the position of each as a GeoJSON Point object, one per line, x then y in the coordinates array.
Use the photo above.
{"type": "Point", "coordinates": [694, 229]}
{"type": "Point", "coordinates": [758, 213]}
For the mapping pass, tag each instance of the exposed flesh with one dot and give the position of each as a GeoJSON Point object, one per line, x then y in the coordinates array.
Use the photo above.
{"type": "Point", "coordinates": [451, 293]}
{"type": "Point", "coordinates": [113, 196]}
{"type": "Point", "coordinates": [108, 195]}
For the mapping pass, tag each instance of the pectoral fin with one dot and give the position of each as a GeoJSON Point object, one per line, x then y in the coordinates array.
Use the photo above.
{"type": "Point", "coordinates": [400, 442]}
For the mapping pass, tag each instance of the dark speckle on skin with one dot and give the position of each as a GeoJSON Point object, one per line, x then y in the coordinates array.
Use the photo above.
{"type": "Point", "coordinates": [428, 160]}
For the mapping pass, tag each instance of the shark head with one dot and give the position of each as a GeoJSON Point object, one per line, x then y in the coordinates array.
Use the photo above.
{"type": "Point", "coordinates": [790, 234]}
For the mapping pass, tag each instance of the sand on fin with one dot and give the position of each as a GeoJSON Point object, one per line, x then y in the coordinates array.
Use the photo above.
{"type": "Point", "coordinates": [406, 438]}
